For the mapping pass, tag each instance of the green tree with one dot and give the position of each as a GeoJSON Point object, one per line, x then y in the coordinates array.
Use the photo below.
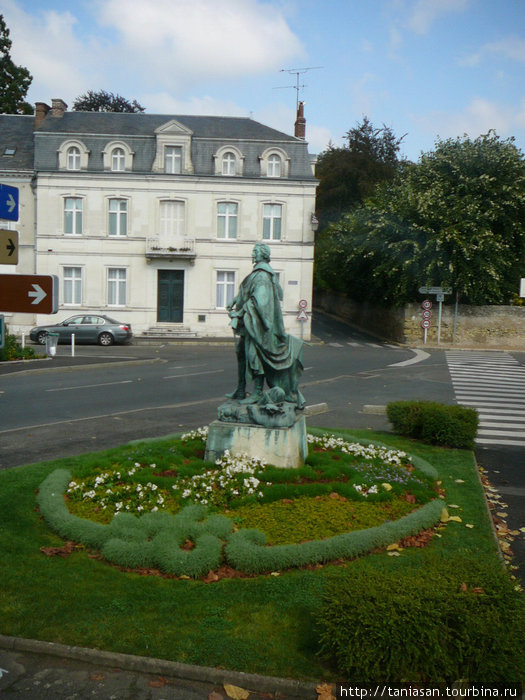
{"type": "Point", "coordinates": [14, 80]}
{"type": "Point", "coordinates": [456, 219]}
{"type": "Point", "coordinates": [348, 175]}
{"type": "Point", "coordinates": [103, 101]}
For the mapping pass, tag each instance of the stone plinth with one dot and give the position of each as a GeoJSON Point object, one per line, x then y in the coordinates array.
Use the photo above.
{"type": "Point", "coordinates": [282, 447]}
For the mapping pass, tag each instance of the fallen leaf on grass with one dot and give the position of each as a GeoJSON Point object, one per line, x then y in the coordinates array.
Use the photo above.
{"type": "Point", "coordinates": [393, 547]}
{"type": "Point", "coordinates": [452, 505]}
{"type": "Point", "coordinates": [325, 692]}
{"type": "Point", "coordinates": [233, 691]}
{"type": "Point", "coordinates": [455, 518]}
{"type": "Point", "coordinates": [394, 554]}
{"type": "Point", "coordinates": [502, 515]}
{"type": "Point", "coordinates": [387, 487]}
{"type": "Point", "coordinates": [211, 577]}
{"type": "Point", "coordinates": [469, 525]}
{"type": "Point", "coordinates": [459, 481]}
{"type": "Point", "coordinates": [63, 551]}
{"type": "Point", "coordinates": [444, 516]}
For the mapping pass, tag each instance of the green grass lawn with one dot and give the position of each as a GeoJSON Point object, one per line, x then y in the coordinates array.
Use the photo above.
{"type": "Point", "coordinates": [262, 624]}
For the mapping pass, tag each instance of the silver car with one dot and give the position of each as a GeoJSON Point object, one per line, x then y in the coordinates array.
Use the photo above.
{"type": "Point", "coordinates": [87, 328]}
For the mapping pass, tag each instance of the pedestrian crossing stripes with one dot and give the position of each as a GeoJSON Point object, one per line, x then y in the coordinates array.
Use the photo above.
{"type": "Point", "coordinates": [364, 344]}
{"type": "Point", "coordinates": [494, 384]}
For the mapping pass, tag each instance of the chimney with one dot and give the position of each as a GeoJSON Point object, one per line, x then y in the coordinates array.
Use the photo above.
{"type": "Point", "coordinates": [58, 107]}
{"type": "Point", "coordinates": [41, 111]}
{"type": "Point", "coordinates": [300, 122]}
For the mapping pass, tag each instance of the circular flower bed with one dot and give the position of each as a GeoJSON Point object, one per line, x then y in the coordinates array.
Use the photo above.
{"type": "Point", "coordinates": [319, 511]}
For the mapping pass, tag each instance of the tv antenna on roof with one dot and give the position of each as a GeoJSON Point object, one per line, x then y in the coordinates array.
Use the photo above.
{"type": "Point", "coordinates": [297, 72]}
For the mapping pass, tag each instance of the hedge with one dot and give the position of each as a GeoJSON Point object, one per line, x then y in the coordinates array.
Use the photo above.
{"type": "Point", "coordinates": [434, 423]}
{"type": "Point", "coordinates": [154, 540]}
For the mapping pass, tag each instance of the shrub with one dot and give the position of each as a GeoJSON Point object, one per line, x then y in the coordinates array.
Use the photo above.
{"type": "Point", "coordinates": [12, 350]}
{"type": "Point", "coordinates": [403, 628]}
{"type": "Point", "coordinates": [434, 423]}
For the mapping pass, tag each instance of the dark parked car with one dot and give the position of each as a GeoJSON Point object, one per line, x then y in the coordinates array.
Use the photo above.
{"type": "Point", "coordinates": [88, 328]}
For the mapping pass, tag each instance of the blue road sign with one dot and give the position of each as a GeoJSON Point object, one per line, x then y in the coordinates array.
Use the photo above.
{"type": "Point", "coordinates": [9, 202]}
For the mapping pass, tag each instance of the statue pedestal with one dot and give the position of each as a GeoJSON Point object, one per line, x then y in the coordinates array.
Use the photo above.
{"type": "Point", "coordinates": [282, 447]}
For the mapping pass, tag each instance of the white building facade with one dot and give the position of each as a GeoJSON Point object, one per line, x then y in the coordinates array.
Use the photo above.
{"type": "Point", "coordinates": [151, 219]}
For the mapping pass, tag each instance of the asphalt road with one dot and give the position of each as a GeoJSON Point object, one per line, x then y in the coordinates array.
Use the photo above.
{"type": "Point", "coordinates": [104, 397]}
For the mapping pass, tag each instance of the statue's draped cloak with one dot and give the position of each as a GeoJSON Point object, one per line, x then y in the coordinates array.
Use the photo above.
{"type": "Point", "coordinates": [269, 349]}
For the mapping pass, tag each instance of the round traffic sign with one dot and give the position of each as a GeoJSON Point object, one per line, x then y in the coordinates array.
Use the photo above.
{"type": "Point", "coordinates": [427, 304]}
{"type": "Point", "coordinates": [425, 323]}
{"type": "Point", "coordinates": [427, 313]}
{"type": "Point", "coordinates": [303, 304]}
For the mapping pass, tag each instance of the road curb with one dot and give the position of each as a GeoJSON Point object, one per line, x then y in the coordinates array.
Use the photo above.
{"type": "Point", "coordinates": [172, 669]}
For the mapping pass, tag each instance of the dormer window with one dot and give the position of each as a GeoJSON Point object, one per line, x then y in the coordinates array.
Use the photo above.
{"type": "Point", "coordinates": [118, 160]}
{"type": "Point", "coordinates": [228, 163]}
{"type": "Point", "coordinates": [73, 155]}
{"type": "Point", "coordinates": [173, 160]}
{"type": "Point", "coordinates": [274, 165]}
{"type": "Point", "coordinates": [118, 157]}
{"type": "Point", "coordinates": [73, 158]}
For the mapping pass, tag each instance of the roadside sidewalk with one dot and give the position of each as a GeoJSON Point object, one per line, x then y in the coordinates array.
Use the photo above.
{"type": "Point", "coordinates": [34, 670]}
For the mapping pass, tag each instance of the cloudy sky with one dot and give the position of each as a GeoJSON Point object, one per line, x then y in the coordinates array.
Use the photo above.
{"type": "Point", "coordinates": [427, 68]}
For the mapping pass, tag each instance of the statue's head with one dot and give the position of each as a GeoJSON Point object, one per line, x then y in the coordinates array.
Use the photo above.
{"type": "Point", "coordinates": [261, 252]}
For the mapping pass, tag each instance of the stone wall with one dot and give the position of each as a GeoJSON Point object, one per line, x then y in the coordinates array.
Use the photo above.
{"type": "Point", "coordinates": [492, 326]}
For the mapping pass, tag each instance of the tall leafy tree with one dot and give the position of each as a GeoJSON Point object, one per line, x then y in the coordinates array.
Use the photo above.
{"type": "Point", "coordinates": [14, 80]}
{"type": "Point", "coordinates": [456, 219]}
{"type": "Point", "coordinates": [348, 175]}
{"type": "Point", "coordinates": [103, 101]}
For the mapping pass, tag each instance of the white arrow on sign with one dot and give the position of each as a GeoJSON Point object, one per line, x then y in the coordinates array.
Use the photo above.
{"type": "Point", "coordinates": [11, 202]}
{"type": "Point", "coordinates": [39, 294]}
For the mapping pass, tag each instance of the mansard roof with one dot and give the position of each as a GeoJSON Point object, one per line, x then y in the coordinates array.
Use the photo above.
{"type": "Point", "coordinates": [16, 134]}
{"type": "Point", "coordinates": [141, 124]}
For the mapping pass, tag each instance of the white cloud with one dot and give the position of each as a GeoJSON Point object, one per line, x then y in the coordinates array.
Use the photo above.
{"type": "Point", "coordinates": [478, 117]}
{"type": "Point", "coordinates": [180, 41]}
{"type": "Point", "coordinates": [512, 47]}
{"type": "Point", "coordinates": [425, 12]}
{"type": "Point", "coordinates": [47, 44]}
{"type": "Point", "coordinates": [164, 103]}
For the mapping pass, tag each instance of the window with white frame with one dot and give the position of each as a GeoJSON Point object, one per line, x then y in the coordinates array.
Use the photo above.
{"type": "Point", "coordinates": [228, 163]}
{"type": "Point", "coordinates": [117, 286]}
{"type": "Point", "coordinates": [275, 162]}
{"type": "Point", "coordinates": [272, 222]}
{"type": "Point", "coordinates": [118, 160]}
{"type": "Point", "coordinates": [171, 221]}
{"type": "Point", "coordinates": [225, 288]}
{"type": "Point", "coordinates": [72, 155]}
{"type": "Point", "coordinates": [274, 165]}
{"type": "Point", "coordinates": [173, 160]}
{"type": "Point", "coordinates": [72, 286]}
{"type": "Point", "coordinates": [227, 220]}
{"type": "Point", "coordinates": [117, 157]}
{"type": "Point", "coordinates": [118, 217]}
{"type": "Point", "coordinates": [73, 158]}
{"type": "Point", "coordinates": [73, 216]}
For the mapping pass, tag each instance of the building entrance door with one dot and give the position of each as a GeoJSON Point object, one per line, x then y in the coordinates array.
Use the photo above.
{"type": "Point", "coordinates": [170, 296]}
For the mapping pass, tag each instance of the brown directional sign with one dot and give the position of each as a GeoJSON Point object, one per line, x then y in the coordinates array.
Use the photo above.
{"type": "Point", "coordinates": [30, 294]}
{"type": "Point", "coordinates": [8, 247]}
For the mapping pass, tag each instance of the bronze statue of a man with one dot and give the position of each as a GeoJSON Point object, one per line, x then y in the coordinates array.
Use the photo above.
{"type": "Point", "coordinates": [264, 350]}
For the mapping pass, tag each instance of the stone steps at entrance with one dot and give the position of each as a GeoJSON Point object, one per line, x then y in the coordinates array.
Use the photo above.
{"type": "Point", "coordinates": [167, 332]}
